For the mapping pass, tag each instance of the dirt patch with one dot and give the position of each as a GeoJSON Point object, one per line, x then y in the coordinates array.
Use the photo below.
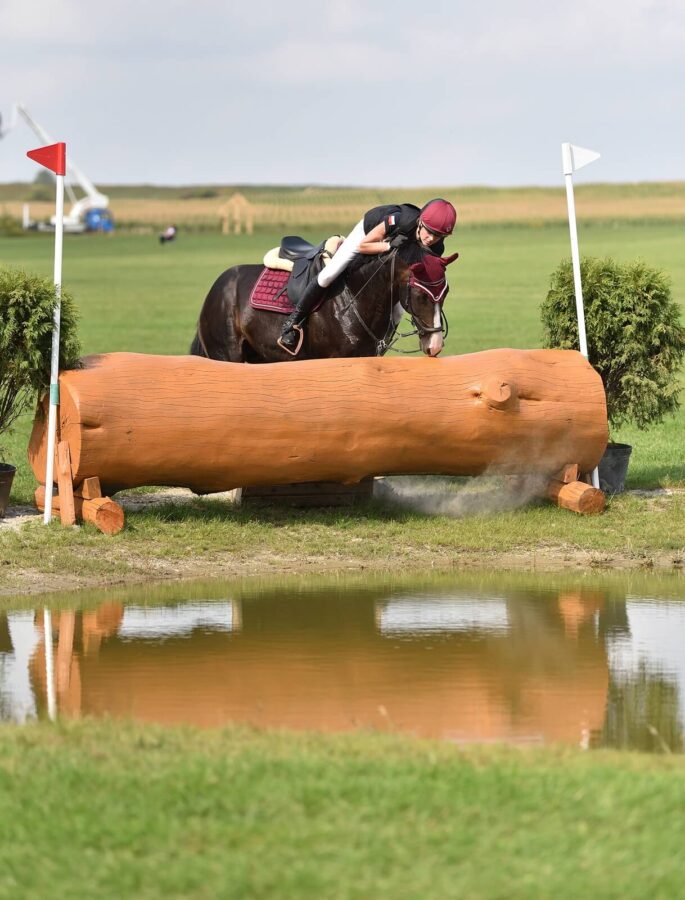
{"type": "Point", "coordinates": [145, 570]}
{"type": "Point", "coordinates": [17, 516]}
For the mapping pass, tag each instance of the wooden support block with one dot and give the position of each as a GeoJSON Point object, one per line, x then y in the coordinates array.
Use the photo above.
{"type": "Point", "coordinates": [577, 496]}
{"type": "Point", "coordinates": [67, 513]}
{"type": "Point", "coordinates": [102, 512]}
{"type": "Point", "coordinates": [568, 474]}
{"type": "Point", "coordinates": [89, 488]}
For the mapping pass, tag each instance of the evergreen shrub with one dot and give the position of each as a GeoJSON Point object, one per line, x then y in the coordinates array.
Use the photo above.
{"type": "Point", "coordinates": [27, 305]}
{"type": "Point", "coordinates": [635, 337]}
{"type": "Point", "coordinates": [9, 226]}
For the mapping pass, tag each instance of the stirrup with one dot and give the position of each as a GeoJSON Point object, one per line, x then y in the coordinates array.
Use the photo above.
{"type": "Point", "coordinates": [300, 341]}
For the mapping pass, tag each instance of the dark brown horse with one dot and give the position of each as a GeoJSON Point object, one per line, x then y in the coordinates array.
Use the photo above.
{"type": "Point", "coordinates": [359, 316]}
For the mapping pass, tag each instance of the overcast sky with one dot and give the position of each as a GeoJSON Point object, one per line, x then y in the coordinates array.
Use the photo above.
{"type": "Point", "coordinates": [351, 92]}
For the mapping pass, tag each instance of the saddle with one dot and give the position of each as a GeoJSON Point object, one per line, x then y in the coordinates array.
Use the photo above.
{"type": "Point", "coordinates": [288, 270]}
{"type": "Point", "coordinates": [303, 260]}
{"type": "Point", "coordinates": [281, 257]}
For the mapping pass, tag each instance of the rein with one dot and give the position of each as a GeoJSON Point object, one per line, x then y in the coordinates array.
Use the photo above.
{"type": "Point", "coordinates": [391, 337]}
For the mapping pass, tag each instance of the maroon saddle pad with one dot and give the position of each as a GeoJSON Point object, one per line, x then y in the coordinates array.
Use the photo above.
{"type": "Point", "coordinates": [266, 294]}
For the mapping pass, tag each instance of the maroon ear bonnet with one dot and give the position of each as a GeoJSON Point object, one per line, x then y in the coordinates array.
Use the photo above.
{"type": "Point", "coordinates": [428, 275]}
{"type": "Point", "coordinates": [431, 269]}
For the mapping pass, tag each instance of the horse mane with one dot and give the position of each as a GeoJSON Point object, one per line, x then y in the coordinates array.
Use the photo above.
{"type": "Point", "coordinates": [411, 252]}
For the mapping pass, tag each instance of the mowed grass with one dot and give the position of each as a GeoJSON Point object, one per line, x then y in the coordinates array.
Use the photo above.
{"type": "Point", "coordinates": [109, 809]}
{"type": "Point", "coordinates": [105, 809]}
{"type": "Point", "coordinates": [135, 295]}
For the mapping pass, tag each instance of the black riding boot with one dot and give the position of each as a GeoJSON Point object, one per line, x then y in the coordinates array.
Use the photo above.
{"type": "Point", "coordinates": [292, 334]}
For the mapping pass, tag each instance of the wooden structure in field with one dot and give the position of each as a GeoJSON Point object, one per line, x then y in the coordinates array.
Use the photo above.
{"type": "Point", "coordinates": [131, 420]}
{"type": "Point", "coordinates": [237, 214]}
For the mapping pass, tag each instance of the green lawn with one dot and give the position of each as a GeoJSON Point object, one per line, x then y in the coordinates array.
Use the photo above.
{"type": "Point", "coordinates": [101, 809]}
{"type": "Point", "coordinates": [135, 295]}
{"type": "Point", "coordinates": [105, 809]}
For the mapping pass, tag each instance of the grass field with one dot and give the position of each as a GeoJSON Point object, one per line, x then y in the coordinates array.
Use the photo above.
{"type": "Point", "coordinates": [135, 295]}
{"type": "Point", "coordinates": [102, 809]}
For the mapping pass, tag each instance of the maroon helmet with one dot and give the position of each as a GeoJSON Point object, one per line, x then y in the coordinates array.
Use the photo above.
{"type": "Point", "coordinates": [439, 216]}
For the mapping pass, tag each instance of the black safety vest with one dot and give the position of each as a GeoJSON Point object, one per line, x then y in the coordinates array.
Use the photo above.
{"type": "Point", "coordinates": [400, 218]}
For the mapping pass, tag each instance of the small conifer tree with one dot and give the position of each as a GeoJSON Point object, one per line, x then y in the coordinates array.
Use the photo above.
{"type": "Point", "coordinates": [27, 304]}
{"type": "Point", "coordinates": [635, 338]}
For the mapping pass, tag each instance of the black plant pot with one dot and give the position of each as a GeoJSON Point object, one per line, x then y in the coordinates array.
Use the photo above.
{"type": "Point", "coordinates": [6, 478]}
{"type": "Point", "coordinates": [613, 468]}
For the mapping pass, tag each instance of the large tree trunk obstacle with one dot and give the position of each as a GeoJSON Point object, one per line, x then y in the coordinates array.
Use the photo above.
{"type": "Point", "coordinates": [131, 419]}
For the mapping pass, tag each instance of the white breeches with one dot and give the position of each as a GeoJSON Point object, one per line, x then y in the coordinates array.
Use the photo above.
{"type": "Point", "coordinates": [345, 252]}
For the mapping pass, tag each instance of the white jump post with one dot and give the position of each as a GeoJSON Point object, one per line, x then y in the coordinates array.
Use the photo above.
{"type": "Point", "coordinates": [49, 666]}
{"type": "Point", "coordinates": [574, 158]}
{"type": "Point", "coordinates": [54, 157]}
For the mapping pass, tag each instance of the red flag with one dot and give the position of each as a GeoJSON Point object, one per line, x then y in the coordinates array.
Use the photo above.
{"type": "Point", "coordinates": [52, 157]}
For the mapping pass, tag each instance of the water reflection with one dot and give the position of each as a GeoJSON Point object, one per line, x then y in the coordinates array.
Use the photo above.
{"type": "Point", "coordinates": [578, 665]}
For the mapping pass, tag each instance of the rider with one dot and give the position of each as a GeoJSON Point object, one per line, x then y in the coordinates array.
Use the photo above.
{"type": "Point", "coordinates": [376, 233]}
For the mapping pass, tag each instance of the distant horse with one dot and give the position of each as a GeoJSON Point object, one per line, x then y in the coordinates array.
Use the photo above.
{"type": "Point", "coordinates": [358, 317]}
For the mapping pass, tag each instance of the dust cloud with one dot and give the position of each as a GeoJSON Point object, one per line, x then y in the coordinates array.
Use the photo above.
{"type": "Point", "coordinates": [458, 498]}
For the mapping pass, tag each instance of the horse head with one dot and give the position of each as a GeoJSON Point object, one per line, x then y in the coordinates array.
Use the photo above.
{"type": "Point", "coordinates": [426, 289]}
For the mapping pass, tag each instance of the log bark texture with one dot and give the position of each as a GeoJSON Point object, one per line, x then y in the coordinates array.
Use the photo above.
{"type": "Point", "coordinates": [132, 419]}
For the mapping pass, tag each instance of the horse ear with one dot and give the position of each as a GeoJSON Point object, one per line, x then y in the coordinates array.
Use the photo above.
{"type": "Point", "coordinates": [446, 260]}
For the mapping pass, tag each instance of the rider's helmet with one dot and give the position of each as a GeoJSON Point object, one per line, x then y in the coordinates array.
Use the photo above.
{"type": "Point", "coordinates": [438, 216]}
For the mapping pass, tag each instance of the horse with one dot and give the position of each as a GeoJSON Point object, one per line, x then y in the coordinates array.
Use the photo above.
{"type": "Point", "coordinates": [358, 317]}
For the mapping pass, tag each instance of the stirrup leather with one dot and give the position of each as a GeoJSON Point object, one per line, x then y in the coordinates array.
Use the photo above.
{"type": "Point", "coordinates": [300, 340]}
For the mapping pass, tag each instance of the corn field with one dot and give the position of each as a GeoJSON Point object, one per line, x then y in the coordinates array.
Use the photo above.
{"type": "Point", "coordinates": [234, 210]}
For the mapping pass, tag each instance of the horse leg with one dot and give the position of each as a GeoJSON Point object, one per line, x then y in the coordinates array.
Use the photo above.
{"type": "Point", "coordinates": [218, 333]}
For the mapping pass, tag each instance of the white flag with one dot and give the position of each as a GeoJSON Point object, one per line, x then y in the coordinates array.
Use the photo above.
{"type": "Point", "coordinates": [574, 157]}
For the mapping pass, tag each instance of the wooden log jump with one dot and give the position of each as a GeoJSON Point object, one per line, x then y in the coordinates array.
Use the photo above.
{"type": "Point", "coordinates": [132, 419]}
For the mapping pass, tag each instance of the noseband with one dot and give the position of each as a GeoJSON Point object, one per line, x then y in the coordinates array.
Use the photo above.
{"type": "Point", "coordinates": [421, 328]}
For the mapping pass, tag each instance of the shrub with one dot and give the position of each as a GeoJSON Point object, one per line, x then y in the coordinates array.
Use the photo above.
{"type": "Point", "coordinates": [45, 178]}
{"type": "Point", "coordinates": [27, 303]}
{"type": "Point", "coordinates": [41, 194]}
{"type": "Point", "coordinates": [635, 338]}
{"type": "Point", "coordinates": [201, 193]}
{"type": "Point", "coordinates": [9, 226]}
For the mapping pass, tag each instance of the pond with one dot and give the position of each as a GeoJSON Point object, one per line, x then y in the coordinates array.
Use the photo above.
{"type": "Point", "coordinates": [592, 662]}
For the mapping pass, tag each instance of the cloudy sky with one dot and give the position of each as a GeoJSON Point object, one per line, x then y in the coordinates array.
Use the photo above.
{"type": "Point", "coordinates": [350, 92]}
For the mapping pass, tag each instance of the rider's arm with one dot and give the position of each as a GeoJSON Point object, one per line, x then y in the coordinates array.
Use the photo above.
{"type": "Point", "coordinates": [374, 241]}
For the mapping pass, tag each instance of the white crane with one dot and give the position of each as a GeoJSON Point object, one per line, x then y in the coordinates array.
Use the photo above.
{"type": "Point", "coordinates": [75, 219]}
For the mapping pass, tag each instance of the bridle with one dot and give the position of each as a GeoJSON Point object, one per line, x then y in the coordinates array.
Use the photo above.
{"type": "Point", "coordinates": [420, 327]}
{"type": "Point", "coordinates": [391, 336]}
